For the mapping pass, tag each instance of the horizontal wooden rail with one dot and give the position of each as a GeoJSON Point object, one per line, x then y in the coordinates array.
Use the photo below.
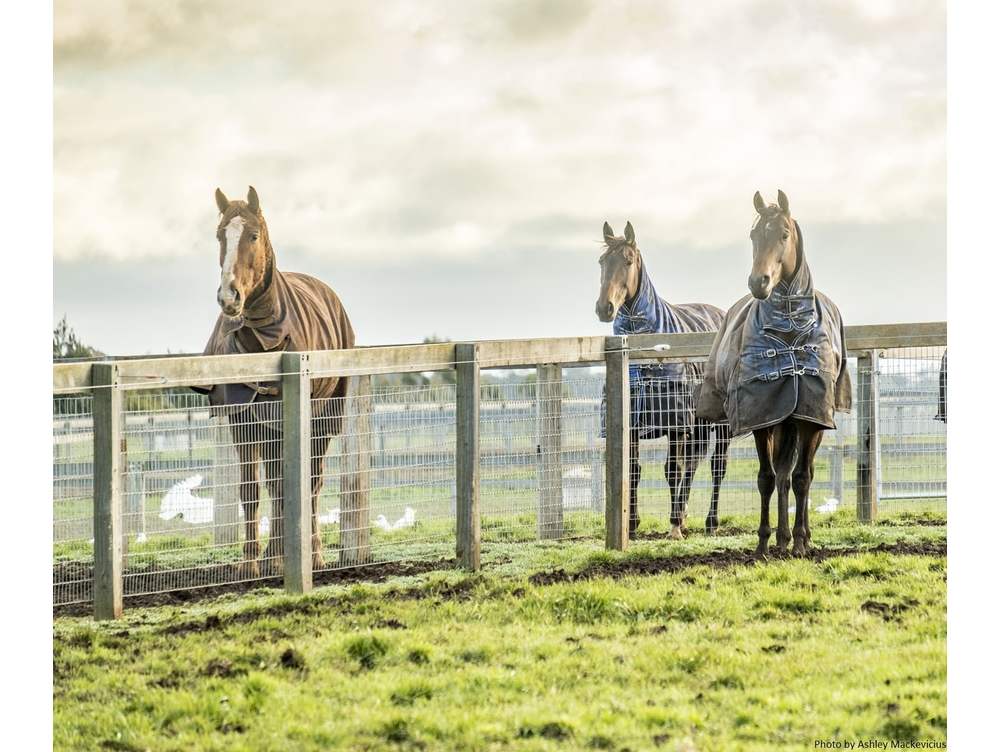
{"type": "Point", "coordinates": [198, 370]}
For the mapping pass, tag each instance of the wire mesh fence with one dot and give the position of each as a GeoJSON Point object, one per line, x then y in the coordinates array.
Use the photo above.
{"type": "Point", "coordinates": [541, 456]}
{"type": "Point", "coordinates": [72, 498]}
{"type": "Point", "coordinates": [388, 479]}
{"type": "Point", "coordinates": [202, 486]}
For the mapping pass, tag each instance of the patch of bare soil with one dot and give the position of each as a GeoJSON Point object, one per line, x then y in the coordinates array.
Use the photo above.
{"type": "Point", "coordinates": [191, 585]}
{"type": "Point", "coordinates": [725, 558]}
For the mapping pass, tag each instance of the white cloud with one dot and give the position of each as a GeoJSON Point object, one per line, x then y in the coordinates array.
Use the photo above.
{"type": "Point", "coordinates": [404, 129]}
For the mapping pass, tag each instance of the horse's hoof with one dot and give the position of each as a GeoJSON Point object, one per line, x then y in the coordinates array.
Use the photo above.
{"type": "Point", "coordinates": [248, 570]}
{"type": "Point", "coordinates": [761, 553]}
{"type": "Point", "coordinates": [676, 533]}
{"type": "Point", "coordinates": [800, 549]}
{"type": "Point", "coordinates": [273, 566]}
{"type": "Point", "coordinates": [318, 561]}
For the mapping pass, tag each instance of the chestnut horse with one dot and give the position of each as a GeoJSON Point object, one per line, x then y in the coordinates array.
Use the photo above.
{"type": "Point", "coordinates": [662, 396]}
{"type": "Point", "coordinates": [266, 310]}
{"type": "Point", "coordinates": [778, 368]}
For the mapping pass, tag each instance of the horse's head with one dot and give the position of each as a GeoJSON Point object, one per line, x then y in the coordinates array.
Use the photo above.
{"type": "Point", "coordinates": [244, 250]}
{"type": "Point", "coordinates": [775, 238]}
{"type": "Point", "coordinates": [620, 271]}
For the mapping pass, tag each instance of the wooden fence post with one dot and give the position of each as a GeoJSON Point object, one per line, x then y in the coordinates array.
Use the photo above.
{"type": "Point", "coordinates": [225, 482]}
{"type": "Point", "coordinates": [548, 394]}
{"type": "Point", "coordinates": [616, 445]}
{"type": "Point", "coordinates": [869, 461]}
{"type": "Point", "coordinates": [108, 525]}
{"type": "Point", "coordinates": [468, 532]}
{"type": "Point", "coordinates": [355, 473]}
{"type": "Point", "coordinates": [296, 422]}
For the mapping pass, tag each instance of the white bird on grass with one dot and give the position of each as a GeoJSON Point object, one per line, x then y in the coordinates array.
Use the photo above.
{"type": "Point", "coordinates": [408, 519]}
{"type": "Point", "coordinates": [180, 502]}
{"type": "Point", "coordinates": [830, 505]}
{"type": "Point", "coordinates": [332, 517]}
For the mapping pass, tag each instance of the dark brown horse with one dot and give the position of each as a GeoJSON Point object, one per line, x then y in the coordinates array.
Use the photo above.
{"type": "Point", "coordinates": [662, 396]}
{"type": "Point", "coordinates": [265, 310]}
{"type": "Point", "coordinates": [778, 367]}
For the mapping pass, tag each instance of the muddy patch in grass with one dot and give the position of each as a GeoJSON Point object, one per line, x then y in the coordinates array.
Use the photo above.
{"type": "Point", "coordinates": [202, 583]}
{"type": "Point", "coordinates": [724, 558]}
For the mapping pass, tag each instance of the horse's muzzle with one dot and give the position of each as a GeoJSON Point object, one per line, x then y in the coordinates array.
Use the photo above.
{"type": "Point", "coordinates": [605, 311]}
{"type": "Point", "coordinates": [231, 305]}
{"type": "Point", "coordinates": [760, 286]}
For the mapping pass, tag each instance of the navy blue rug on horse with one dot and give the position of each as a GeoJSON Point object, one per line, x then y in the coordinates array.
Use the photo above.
{"type": "Point", "coordinates": [662, 395]}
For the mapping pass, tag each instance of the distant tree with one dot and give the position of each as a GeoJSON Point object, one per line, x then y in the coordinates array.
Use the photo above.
{"type": "Point", "coordinates": [66, 344]}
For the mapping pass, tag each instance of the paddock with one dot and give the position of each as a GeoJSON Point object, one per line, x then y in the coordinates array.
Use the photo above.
{"type": "Point", "coordinates": [492, 444]}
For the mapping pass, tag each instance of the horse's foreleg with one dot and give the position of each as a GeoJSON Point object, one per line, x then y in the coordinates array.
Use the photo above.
{"type": "Point", "coordinates": [250, 501]}
{"type": "Point", "coordinates": [785, 447]}
{"type": "Point", "coordinates": [634, 476]}
{"type": "Point", "coordinates": [810, 436]}
{"type": "Point", "coordinates": [695, 448]}
{"type": "Point", "coordinates": [274, 562]}
{"type": "Point", "coordinates": [765, 484]}
{"type": "Point", "coordinates": [720, 461]}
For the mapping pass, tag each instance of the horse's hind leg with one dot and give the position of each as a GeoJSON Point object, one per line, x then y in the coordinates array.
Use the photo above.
{"type": "Point", "coordinates": [810, 436]}
{"type": "Point", "coordinates": [720, 461]}
{"type": "Point", "coordinates": [695, 442]}
{"type": "Point", "coordinates": [673, 469]}
{"type": "Point", "coordinates": [319, 447]}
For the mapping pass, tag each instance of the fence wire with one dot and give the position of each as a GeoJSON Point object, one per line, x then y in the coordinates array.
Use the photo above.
{"type": "Point", "coordinates": [72, 498]}
{"type": "Point", "coordinates": [192, 517]}
{"type": "Point", "coordinates": [388, 479]}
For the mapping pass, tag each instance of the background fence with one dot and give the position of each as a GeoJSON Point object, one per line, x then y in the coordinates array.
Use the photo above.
{"type": "Point", "coordinates": [444, 449]}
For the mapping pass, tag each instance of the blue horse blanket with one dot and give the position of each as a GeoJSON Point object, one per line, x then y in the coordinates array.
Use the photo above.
{"type": "Point", "coordinates": [778, 358]}
{"type": "Point", "coordinates": [663, 394]}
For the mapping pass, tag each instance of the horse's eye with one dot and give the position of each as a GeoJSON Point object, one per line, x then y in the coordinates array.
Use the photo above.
{"type": "Point", "coordinates": [784, 236]}
{"type": "Point", "coordinates": [254, 237]}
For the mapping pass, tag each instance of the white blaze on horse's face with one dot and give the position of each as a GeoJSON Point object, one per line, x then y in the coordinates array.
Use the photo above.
{"type": "Point", "coordinates": [229, 296]}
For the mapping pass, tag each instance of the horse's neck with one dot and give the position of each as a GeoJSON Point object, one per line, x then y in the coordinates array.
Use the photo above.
{"type": "Point", "coordinates": [790, 263]}
{"type": "Point", "coordinates": [643, 274]}
{"type": "Point", "coordinates": [263, 301]}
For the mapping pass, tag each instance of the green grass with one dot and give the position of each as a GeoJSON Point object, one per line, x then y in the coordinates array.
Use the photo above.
{"type": "Point", "coordinates": [770, 656]}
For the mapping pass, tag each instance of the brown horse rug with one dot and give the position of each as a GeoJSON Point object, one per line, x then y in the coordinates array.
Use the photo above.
{"type": "Point", "coordinates": [288, 311]}
{"type": "Point", "coordinates": [778, 358]}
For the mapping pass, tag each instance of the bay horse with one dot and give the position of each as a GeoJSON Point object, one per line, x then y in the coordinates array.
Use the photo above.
{"type": "Point", "coordinates": [778, 368]}
{"type": "Point", "coordinates": [263, 310]}
{"type": "Point", "coordinates": [662, 396]}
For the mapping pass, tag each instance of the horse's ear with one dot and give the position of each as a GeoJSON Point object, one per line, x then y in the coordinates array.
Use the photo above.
{"type": "Point", "coordinates": [609, 234]}
{"type": "Point", "coordinates": [783, 201]}
{"type": "Point", "coordinates": [758, 203]}
{"type": "Point", "coordinates": [253, 203]}
{"type": "Point", "coordinates": [629, 233]}
{"type": "Point", "coordinates": [221, 201]}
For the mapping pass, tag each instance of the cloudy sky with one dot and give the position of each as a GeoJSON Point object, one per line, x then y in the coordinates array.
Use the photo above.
{"type": "Point", "coordinates": [447, 166]}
